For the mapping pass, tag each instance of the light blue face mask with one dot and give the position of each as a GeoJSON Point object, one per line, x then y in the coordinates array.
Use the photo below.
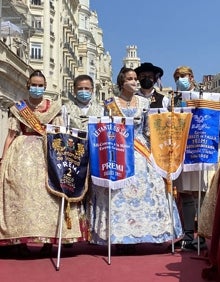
{"type": "Point", "coordinates": [83, 96]}
{"type": "Point", "coordinates": [36, 92]}
{"type": "Point", "coordinates": [183, 84]}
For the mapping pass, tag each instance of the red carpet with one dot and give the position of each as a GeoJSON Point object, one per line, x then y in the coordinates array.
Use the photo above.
{"type": "Point", "coordinates": [89, 263]}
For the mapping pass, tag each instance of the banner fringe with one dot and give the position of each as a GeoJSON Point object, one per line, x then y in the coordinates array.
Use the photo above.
{"type": "Point", "coordinates": [114, 185]}
{"type": "Point", "coordinates": [200, 166]}
{"type": "Point", "coordinates": [164, 173]}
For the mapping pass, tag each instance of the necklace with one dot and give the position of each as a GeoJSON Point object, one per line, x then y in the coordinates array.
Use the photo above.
{"type": "Point", "coordinates": [33, 105]}
{"type": "Point", "coordinates": [126, 100]}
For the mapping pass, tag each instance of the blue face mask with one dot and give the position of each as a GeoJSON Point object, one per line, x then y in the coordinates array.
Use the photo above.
{"type": "Point", "coordinates": [183, 84]}
{"type": "Point", "coordinates": [36, 92]}
{"type": "Point", "coordinates": [83, 96]}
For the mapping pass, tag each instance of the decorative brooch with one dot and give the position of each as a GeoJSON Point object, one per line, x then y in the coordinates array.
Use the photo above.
{"type": "Point", "coordinates": [153, 99]}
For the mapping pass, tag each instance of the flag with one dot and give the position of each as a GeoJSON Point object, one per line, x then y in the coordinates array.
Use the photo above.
{"type": "Point", "coordinates": [202, 145]}
{"type": "Point", "coordinates": [168, 137]}
{"type": "Point", "coordinates": [67, 161]}
{"type": "Point", "coordinates": [111, 149]}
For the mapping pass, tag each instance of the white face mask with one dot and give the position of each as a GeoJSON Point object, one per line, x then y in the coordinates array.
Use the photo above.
{"type": "Point", "coordinates": [130, 86]}
{"type": "Point", "coordinates": [36, 92]}
{"type": "Point", "coordinates": [183, 84]}
{"type": "Point", "coordinates": [83, 96]}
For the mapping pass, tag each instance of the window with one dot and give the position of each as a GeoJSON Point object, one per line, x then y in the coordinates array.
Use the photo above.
{"type": "Point", "coordinates": [36, 2]}
{"type": "Point", "coordinates": [86, 23]}
{"type": "Point", "coordinates": [51, 54]}
{"type": "Point", "coordinates": [51, 27]}
{"type": "Point", "coordinates": [36, 51]}
{"type": "Point", "coordinates": [80, 61]}
{"type": "Point", "coordinates": [37, 22]}
{"type": "Point", "coordinates": [51, 5]}
{"type": "Point", "coordinates": [103, 96]}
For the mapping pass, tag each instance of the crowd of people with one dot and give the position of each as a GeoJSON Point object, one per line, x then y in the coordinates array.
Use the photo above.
{"type": "Point", "coordinates": [140, 212]}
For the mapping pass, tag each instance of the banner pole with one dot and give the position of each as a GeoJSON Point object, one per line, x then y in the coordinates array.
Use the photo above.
{"type": "Point", "coordinates": [170, 201]}
{"type": "Point", "coordinates": [109, 213]}
{"type": "Point", "coordinates": [200, 181]}
{"type": "Point", "coordinates": [198, 210]}
{"type": "Point", "coordinates": [170, 182]}
{"type": "Point", "coordinates": [60, 234]}
{"type": "Point", "coordinates": [109, 225]}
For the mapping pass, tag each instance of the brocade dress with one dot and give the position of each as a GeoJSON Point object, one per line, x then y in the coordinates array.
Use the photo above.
{"type": "Point", "coordinates": [141, 212]}
{"type": "Point", "coordinates": [79, 116]}
{"type": "Point", "coordinates": [28, 211]}
{"type": "Point", "coordinates": [206, 217]}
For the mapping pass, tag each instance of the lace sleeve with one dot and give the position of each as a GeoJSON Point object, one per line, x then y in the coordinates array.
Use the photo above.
{"type": "Point", "coordinates": [14, 123]}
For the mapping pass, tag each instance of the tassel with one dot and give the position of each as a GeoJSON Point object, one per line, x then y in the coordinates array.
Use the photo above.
{"type": "Point", "coordinates": [67, 216]}
{"type": "Point", "coordinates": [169, 186]}
{"type": "Point", "coordinates": [175, 192]}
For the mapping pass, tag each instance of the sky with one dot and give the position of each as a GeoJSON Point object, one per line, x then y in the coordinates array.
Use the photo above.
{"type": "Point", "coordinates": [167, 33]}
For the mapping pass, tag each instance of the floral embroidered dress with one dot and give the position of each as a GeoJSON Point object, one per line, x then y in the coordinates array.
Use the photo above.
{"type": "Point", "coordinates": [139, 213]}
{"type": "Point", "coordinates": [28, 212]}
{"type": "Point", "coordinates": [206, 216]}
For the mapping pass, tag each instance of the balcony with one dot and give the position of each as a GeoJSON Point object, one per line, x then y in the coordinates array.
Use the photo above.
{"type": "Point", "coordinates": [68, 72]}
{"type": "Point", "coordinates": [36, 58]}
{"type": "Point", "coordinates": [66, 45]}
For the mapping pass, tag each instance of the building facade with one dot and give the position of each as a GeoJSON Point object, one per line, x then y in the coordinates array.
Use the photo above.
{"type": "Point", "coordinates": [131, 60]}
{"type": "Point", "coordinates": [211, 83]}
{"type": "Point", "coordinates": [59, 37]}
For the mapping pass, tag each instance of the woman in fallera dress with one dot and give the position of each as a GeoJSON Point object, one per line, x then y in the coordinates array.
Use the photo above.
{"type": "Point", "coordinates": [140, 212]}
{"type": "Point", "coordinates": [28, 212]}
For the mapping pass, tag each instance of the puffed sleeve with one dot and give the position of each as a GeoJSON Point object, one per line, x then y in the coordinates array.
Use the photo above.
{"type": "Point", "coordinates": [14, 123]}
{"type": "Point", "coordinates": [58, 120]}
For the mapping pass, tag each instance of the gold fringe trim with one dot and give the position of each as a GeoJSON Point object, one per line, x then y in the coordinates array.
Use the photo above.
{"type": "Point", "coordinates": [67, 216]}
{"type": "Point", "coordinates": [170, 187]}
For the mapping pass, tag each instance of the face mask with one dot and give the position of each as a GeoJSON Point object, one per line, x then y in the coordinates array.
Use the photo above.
{"type": "Point", "coordinates": [183, 84]}
{"type": "Point", "coordinates": [130, 86]}
{"type": "Point", "coordinates": [36, 92]}
{"type": "Point", "coordinates": [146, 83]}
{"type": "Point", "coordinates": [83, 96]}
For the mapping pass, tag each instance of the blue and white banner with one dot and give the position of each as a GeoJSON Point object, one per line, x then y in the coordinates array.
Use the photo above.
{"type": "Point", "coordinates": [111, 149]}
{"type": "Point", "coordinates": [202, 145]}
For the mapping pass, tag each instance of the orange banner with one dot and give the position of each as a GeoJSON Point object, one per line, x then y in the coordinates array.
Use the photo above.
{"type": "Point", "coordinates": [168, 138]}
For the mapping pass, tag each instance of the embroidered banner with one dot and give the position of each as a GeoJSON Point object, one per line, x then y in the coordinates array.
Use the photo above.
{"type": "Point", "coordinates": [67, 160]}
{"type": "Point", "coordinates": [111, 147]}
{"type": "Point", "coordinates": [168, 137]}
{"type": "Point", "coordinates": [202, 145]}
